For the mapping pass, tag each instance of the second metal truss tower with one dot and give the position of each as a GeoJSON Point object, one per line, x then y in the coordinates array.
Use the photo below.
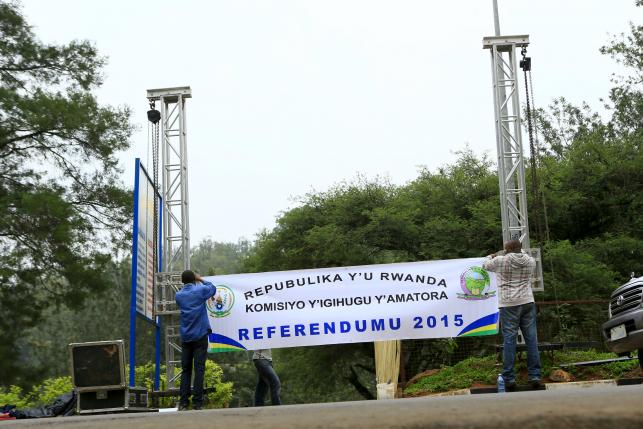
{"type": "Point", "coordinates": [511, 165]}
{"type": "Point", "coordinates": [511, 168]}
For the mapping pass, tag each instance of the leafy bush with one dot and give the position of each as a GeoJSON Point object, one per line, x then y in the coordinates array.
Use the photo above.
{"type": "Point", "coordinates": [50, 388]}
{"type": "Point", "coordinates": [220, 398]}
{"type": "Point", "coordinates": [41, 394]}
{"type": "Point", "coordinates": [15, 396]}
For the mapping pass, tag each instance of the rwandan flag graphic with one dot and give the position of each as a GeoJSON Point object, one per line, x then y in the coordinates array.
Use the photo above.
{"type": "Point", "coordinates": [487, 325]}
{"type": "Point", "coordinates": [220, 343]}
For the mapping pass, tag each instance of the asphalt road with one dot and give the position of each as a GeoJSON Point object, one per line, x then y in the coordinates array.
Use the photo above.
{"type": "Point", "coordinates": [599, 407]}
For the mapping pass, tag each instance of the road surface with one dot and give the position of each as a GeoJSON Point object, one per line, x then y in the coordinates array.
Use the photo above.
{"type": "Point", "coordinates": [599, 407]}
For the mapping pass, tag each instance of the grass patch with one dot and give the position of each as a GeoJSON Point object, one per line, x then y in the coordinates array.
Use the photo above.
{"type": "Point", "coordinates": [484, 371]}
{"type": "Point", "coordinates": [464, 374]}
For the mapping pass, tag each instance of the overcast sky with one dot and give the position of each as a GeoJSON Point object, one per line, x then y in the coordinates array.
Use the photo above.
{"type": "Point", "coordinates": [295, 96]}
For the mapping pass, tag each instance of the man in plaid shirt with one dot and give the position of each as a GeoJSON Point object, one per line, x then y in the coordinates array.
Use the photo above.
{"type": "Point", "coordinates": [517, 309]}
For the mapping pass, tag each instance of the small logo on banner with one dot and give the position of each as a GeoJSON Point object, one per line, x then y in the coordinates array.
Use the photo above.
{"type": "Point", "coordinates": [476, 284]}
{"type": "Point", "coordinates": [221, 306]}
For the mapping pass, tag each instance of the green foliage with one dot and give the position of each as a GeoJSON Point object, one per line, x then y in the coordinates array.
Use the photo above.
{"type": "Point", "coordinates": [42, 394]}
{"type": "Point", "coordinates": [371, 221]}
{"type": "Point", "coordinates": [61, 203]}
{"type": "Point", "coordinates": [212, 257]}
{"type": "Point", "coordinates": [50, 389]}
{"type": "Point", "coordinates": [329, 373]}
{"type": "Point", "coordinates": [104, 316]}
{"type": "Point", "coordinates": [213, 378]}
{"type": "Point", "coordinates": [221, 397]}
{"type": "Point", "coordinates": [239, 370]}
{"type": "Point", "coordinates": [577, 273]}
{"type": "Point", "coordinates": [14, 395]}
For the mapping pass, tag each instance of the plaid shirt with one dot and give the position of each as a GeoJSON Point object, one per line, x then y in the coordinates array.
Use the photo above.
{"type": "Point", "coordinates": [514, 271]}
{"type": "Point", "coordinates": [262, 354]}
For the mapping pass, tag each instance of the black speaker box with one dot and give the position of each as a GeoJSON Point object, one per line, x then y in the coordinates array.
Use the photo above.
{"type": "Point", "coordinates": [98, 364]}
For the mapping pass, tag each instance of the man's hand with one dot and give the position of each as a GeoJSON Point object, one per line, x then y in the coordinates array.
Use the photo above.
{"type": "Point", "coordinates": [198, 278]}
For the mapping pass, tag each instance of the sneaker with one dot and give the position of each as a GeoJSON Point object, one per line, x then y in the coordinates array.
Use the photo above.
{"type": "Point", "coordinates": [197, 407]}
{"type": "Point", "coordinates": [535, 384]}
{"type": "Point", "coordinates": [183, 408]}
{"type": "Point", "coordinates": [511, 387]}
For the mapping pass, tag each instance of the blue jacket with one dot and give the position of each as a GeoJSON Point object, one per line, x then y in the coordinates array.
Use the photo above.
{"type": "Point", "coordinates": [194, 315]}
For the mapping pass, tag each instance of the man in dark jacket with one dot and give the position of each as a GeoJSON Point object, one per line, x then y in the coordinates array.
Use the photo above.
{"type": "Point", "coordinates": [517, 309]}
{"type": "Point", "coordinates": [194, 331]}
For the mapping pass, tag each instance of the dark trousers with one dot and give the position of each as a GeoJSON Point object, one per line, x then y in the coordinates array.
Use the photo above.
{"type": "Point", "coordinates": [268, 379]}
{"type": "Point", "coordinates": [523, 317]}
{"type": "Point", "coordinates": [197, 352]}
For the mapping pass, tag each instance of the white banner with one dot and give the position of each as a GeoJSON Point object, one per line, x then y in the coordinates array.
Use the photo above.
{"type": "Point", "coordinates": [436, 299]}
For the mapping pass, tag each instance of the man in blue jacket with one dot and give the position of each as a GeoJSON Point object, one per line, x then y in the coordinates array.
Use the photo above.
{"type": "Point", "coordinates": [194, 331]}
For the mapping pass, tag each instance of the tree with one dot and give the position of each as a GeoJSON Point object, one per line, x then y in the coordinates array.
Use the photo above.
{"type": "Point", "coordinates": [212, 257]}
{"type": "Point", "coordinates": [62, 207]}
{"type": "Point", "coordinates": [453, 213]}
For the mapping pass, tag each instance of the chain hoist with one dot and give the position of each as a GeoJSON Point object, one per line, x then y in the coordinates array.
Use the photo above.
{"type": "Point", "coordinates": [154, 116]}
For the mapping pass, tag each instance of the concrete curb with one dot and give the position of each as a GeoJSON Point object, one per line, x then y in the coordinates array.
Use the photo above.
{"type": "Point", "coordinates": [545, 386]}
{"type": "Point", "coordinates": [580, 384]}
{"type": "Point", "coordinates": [453, 393]}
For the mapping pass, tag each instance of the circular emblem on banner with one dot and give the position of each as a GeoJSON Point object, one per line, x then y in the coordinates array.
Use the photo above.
{"type": "Point", "coordinates": [476, 284]}
{"type": "Point", "coordinates": [221, 304]}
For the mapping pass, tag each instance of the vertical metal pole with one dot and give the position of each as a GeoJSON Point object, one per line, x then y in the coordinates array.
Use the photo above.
{"type": "Point", "coordinates": [496, 19]}
{"type": "Point", "coordinates": [165, 179]}
{"type": "Point", "coordinates": [157, 354]}
{"type": "Point", "coordinates": [159, 327]}
{"type": "Point", "coordinates": [185, 236]}
{"type": "Point", "coordinates": [499, 95]}
{"type": "Point", "coordinates": [132, 314]}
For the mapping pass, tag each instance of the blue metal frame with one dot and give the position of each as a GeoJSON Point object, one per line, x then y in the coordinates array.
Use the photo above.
{"type": "Point", "coordinates": [133, 312]}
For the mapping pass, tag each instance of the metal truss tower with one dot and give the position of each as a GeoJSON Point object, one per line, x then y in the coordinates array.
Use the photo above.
{"type": "Point", "coordinates": [175, 217]}
{"type": "Point", "coordinates": [511, 168]}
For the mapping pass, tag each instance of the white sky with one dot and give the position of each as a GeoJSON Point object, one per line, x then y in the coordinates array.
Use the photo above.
{"type": "Point", "coordinates": [294, 96]}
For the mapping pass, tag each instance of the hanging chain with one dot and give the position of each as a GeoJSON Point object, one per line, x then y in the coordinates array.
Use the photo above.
{"type": "Point", "coordinates": [536, 189]}
{"type": "Point", "coordinates": [155, 181]}
{"type": "Point", "coordinates": [155, 162]}
{"type": "Point", "coordinates": [525, 64]}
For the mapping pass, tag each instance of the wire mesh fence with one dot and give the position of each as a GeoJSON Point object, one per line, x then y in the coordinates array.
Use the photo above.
{"type": "Point", "coordinates": [563, 325]}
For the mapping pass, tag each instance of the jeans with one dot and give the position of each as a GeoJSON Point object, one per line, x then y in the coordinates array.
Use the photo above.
{"type": "Point", "coordinates": [196, 351]}
{"type": "Point", "coordinates": [267, 379]}
{"type": "Point", "coordinates": [523, 317]}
